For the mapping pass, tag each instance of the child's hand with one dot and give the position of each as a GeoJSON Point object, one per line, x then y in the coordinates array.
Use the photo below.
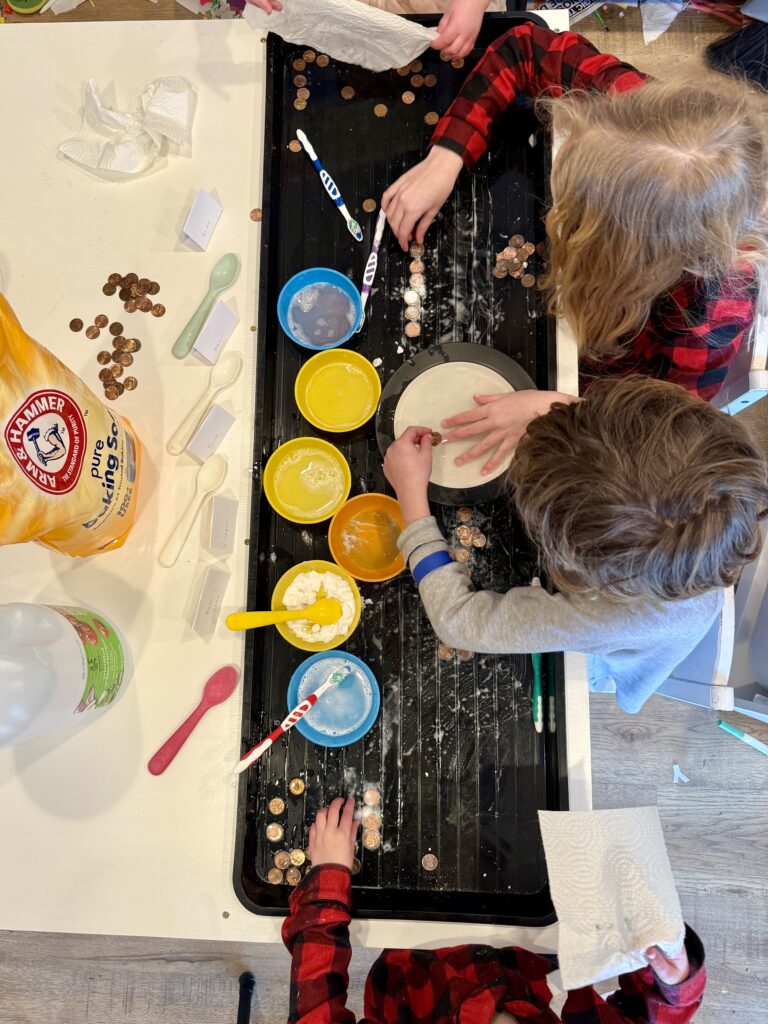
{"type": "Point", "coordinates": [333, 834]}
{"type": "Point", "coordinates": [411, 203]}
{"type": "Point", "coordinates": [672, 970]}
{"type": "Point", "coordinates": [408, 467]}
{"type": "Point", "coordinates": [459, 27]}
{"type": "Point", "coordinates": [267, 5]}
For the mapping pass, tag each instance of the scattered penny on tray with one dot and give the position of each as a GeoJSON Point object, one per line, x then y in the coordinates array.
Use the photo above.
{"type": "Point", "coordinates": [464, 655]}
{"type": "Point", "coordinates": [115, 329]}
{"type": "Point", "coordinates": [132, 345]}
{"type": "Point", "coordinates": [293, 876]}
{"type": "Point", "coordinates": [115, 278]}
{"type": "Point", "coordinates": [408, 97]}
{"type": "Point", "coordinates": [274, 832]}
{"type": "Point", "coordinates": [276, 805]}
{"type": "Point", "coordinates": [282, 860]}
{"type": "Point", "coordinates": [417, 81]}
{"type": "Point", "coordinates": [106, 374]}
{"type": "Point", "coordinates": [111, 391]}
{"type": "Point", "coordinates": [299, 64]}
{"type": "Point", "coordinates": [416, 281]}
{"type": "Point", "coordinates": [130, 306]}
{"type": "Point", "coordinates": [297, 857]}
{"type": "Point", "coordinates": [371, 797]}
{"type": "Point", "coordinates": [479, 541]}
{"type": "Point", "coordinates": [295, 146]}
{"type": "Point", "coordinates": [381, 110]}
{"type": "Point", "coordinates": [445, 653]}
{"type": "Point", "coordinates": [302, 94]}
{"type": "Point", "coordinates": [76, 325]}
{"type": "Point", "coordinates": [296, 786]}
{"type": "Point", "coordinates": [369, 205]}
{"type": "Point", "coordinates": [516, 241]}
{"type": "Point", "coordinates": [347, 92]}
{"type": "Point", "coordinates": [300, 104]}
{"type": "Point", "coordinates": [457, 62]}
{"type": "Point", "coordinates": [415, 65]}
{"type": "Point", "coordinates": [323, 60]}
{"type": "Point", "coordinates": [416, 266]}
{"type": "Point", "coordinates": [527, 280]}
{"type": "Point", "coordinates": [372, 821]}
{"type": "Point", "coordinates": [430, 81]}
{"type": "Point", "coordinates": [429, 862]}
{"type": "Point", "coordinates": [417, 249]}
{"type": "Point", "coordinates": [464, 515]}
{"type": "Point", "coordinates": [101, 320]}
{"type": "Point", "coordinates": [309, 56]}
{"type": "Point", "coordinates": [412, 313]}
{"type": "Point", "coordinates": [403, 71]}
{"type": "Point", "coordinates": [300, 81]}
{"type": "Point", "coordinates": [117, 370]}
{"type": "Point", "coordinates": [462, 555]}
{"type": "Point", "coordinates": [432, 117]}
{"type": "Point", "coordinates": [109, 289]}
{"type": "Point", "coordinates": [371, 839]}
{"type": "Point", "coordinates": [103, 358]}
{"type": "Point", "coordinates": [412, 330]}
{"type": "Point", "coordinates": [356, 866]}
{"type": "Point", "coordinates": [275, 876]}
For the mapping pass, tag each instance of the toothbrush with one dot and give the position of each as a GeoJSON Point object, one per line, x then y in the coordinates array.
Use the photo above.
{"type": "Point", "coordinates": [373, 260]}
{"type": "Point", "coordinates": [330, 187]}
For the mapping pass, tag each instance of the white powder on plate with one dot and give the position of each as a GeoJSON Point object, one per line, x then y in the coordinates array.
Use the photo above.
{"type": "Point", "coordinates": [309, 587]}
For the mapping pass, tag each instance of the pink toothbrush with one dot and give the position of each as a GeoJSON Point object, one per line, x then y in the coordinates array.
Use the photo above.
{"type": "Point", "coordinates": [219, 688]}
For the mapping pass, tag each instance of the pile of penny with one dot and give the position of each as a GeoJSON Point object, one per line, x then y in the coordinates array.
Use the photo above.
{"type": "Point", "coordinates": [371, 819]}
{"type": "Point", "coordinates": [134, 292]}
{"type": "Point", "coordinates": [301, 81]}
{"type": "Point", "coordinates": [415, 292]}
{"type": "Point", "coordinates": [287, 864]}
{"type": "Point", "coordinates": [113, 363]}
{"type": "Point", "coordinates": [513, 261]}
{"type": "Point", "coordinates": [417, 80]}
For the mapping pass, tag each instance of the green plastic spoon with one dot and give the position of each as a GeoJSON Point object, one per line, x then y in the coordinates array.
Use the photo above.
{"type": "Point", "coordinates": [223, 276]}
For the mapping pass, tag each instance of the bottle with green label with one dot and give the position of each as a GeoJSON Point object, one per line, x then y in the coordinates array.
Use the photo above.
{"type": "Point", "coordinates": [60, 667]}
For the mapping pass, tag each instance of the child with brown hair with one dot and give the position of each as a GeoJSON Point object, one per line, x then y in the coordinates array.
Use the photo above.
{"type": "Point", "coordinates": [658, 232]}
{"type": "Point", "coordinates": [469, 984]}
{"type": "Point", "coordinates": [644, 503]}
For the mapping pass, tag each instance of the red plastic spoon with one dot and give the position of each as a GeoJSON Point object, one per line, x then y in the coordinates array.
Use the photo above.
{"type": "Point", "coordinates": [219, 688]}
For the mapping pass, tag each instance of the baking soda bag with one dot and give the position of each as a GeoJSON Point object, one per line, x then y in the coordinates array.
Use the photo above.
{"type": "Point", "coordinates": [68, 465]}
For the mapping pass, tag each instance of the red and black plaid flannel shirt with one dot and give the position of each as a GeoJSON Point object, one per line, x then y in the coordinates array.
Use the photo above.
{"type": "Point", "coordinates": [694, 331]}
{"type": "Point", "coordinates": [461, 985]}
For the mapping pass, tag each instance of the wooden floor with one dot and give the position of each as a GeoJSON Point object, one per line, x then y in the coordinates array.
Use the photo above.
{"type": "Point", "coordinates": [716, 826]}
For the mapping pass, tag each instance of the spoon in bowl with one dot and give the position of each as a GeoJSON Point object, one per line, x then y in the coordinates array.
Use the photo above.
{"type": "Point", "coordinates": [324, 612]}
{"type": "Point", "coordinates": [209, 478]}
{"type": "Point", "coordinates": [222, 376]}
{"type": "Point", "coordinates": [223, 276]}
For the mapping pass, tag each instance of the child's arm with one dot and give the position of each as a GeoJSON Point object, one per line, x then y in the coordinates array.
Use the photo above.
{"type": "Point", "coordinates": [644, 997]}
{"type": "Point", "coordinates": [317, 930]}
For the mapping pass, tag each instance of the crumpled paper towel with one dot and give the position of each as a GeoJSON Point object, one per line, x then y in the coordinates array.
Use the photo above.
{"type": "Point", "coordinates": [613, 891]}
{"type": "Point", "coordinates": [114, 141]}
{"type": "Point", "coordinates": [347, 30]}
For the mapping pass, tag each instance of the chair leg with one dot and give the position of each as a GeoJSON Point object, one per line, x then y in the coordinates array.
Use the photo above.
{"type": "Point", "coordinates": [247, 985]}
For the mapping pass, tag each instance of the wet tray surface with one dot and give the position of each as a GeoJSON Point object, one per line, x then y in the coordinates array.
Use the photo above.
{"type": "Point", "coordinates": [460, 768]}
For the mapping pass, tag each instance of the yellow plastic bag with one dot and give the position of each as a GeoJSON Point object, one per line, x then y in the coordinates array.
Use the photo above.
{"type": "Point", "coordinates": [68, 465]}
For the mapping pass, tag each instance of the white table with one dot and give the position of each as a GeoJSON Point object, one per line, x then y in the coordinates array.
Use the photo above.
{"type": "Point", "coordinates": [90, 841]}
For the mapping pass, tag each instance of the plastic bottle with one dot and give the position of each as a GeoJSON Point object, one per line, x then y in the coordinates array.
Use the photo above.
{"type": "Point", "coordinates": [60, 667]}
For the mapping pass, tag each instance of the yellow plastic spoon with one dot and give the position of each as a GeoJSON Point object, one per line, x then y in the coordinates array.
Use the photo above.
{"type": "Point", "coordinates": [324, 612]}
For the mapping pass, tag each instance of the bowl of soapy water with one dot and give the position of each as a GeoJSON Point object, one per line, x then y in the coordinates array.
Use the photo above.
{"type": "Point", "coordinates": [346, 711]}
{"type": "Point", "coordinates": [306, 583]}
{"type": "Point", "coordinates": [319, 308]}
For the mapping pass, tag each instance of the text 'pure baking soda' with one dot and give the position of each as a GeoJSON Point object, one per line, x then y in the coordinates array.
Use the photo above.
{"type": "Point", "coordinates": [68, 465]}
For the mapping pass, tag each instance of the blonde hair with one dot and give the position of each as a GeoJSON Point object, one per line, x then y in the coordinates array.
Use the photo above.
{"type": "Point", "coordinates": [640, 490]}
{"type": "Point", "coordinates": [667, 180]}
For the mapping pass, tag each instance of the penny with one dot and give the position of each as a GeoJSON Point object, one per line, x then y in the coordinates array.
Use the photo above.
{"type": "Point", "coordinates": [130, 306]}
{"type": "Point", "coordinates": [124, 358]}
{"type": "Point", "coordinates": [92, 332]}
{"type": "Point", "coordinates": [457, 62]}
{"type": "Point", "coordinates": [528, 249]}
{"type": "Point", "coordinates": [300, 104]}
{"type": "Point", "coordinates": [154, 288]}
{"type": "Point", "coordinates": [464, 514]}
{"type": "Point", "coordinates": [516, 241]}
{"type": "Point", "coordinates": [115, 329]}
{"type": "Point", "coordinates": [463, 532]}
{"type": "Point", "coordinates": [102, 321]}
{"type": "Point", "coordinates": [417, 81]}
{"type": "Point", "coordinates": [111, 392]}
{"type": "Point", "coordinates": [527, 280]}
{"type": "Point", "coordinates": [274, 832]}
{"type": "Point", "coordinates": [416, 250]}
{"type": "Point", "coordinates": [276, 805]}
{"type": "Point", "coordinates": [299, 64]}
{"type": "Point", "coordinates": [310, 56]}
{"type": "Point", "coordinates": [131, 345]}
{"type": "Point", "coordinates": [479, 541]}
{"type": "Point", "coordinates": [109, 289]}
{"type": "Point", "coordinates": [415, 65]}
{"type": "Point", "coordinates": [429, 862]}
{"type": "Point", "coordinates": [130, 279]}
{"type": "Point", "coordinates": [119, 343]}
{"type": "Point", "coordinates": [408, 97]}
{"type": "Point", "coordinates": [124, 294]}
{"type": "Point", "coordinates": [371, 797]}
{"type": "Point", "coordinates": [403, 71]}
{"type": "Point", "coordinates": [302, 94]}
{"type": "Point", "coordinates": [106, 375]}
{"type": "Point", "coordinates": [462, 555]}
{"type": "Point", "coordinates": [437, 438]}
{"type": "Point", "coordinates": [300, 81]}
{"type": "Point", "coordinates": [103, 358]}
{"type": "Point", "coordinates": [158, 309]}
{"type": "Point", "coordinates": [275, 876]}
{"type": "Point", "coordinates": [130, 383]}
{"type": "Point", "coordinates": [323, 60]}
{"type": "Point", "coordinates": [296, 786]}
{"type": "Point", "coordinates": [371, 839]}
{"type": "Point", "coordinates": [347, 92]}
{"type": "Point", "coordinates": [430, 81]}
{"type": "Point", "coordinates": [507, 254]}
{"type": "Point", "coordinates": [445, 653]}
{"type": "Point", "coordinates": [444, 57]}
{"type": "Point", "coordinates": [135, 293]}
{"type": "Point", "coordinates": [115, 278]}
{"type": "Point", "coordinates": [297, 858]}
{"type": "Point", "coordinates": [517, 273]}
{"type": "Point", "coordinates": [76, 325]}
{"type": "Point", "coordinates": [416, 266]}
{"type": "Point", "coordinates": [372, 821]}
{"type": "Point", "coordinates": [293, 876]}
{"type": "Point", "coordinates": [514, 264]}
{"type": "Point", "coordinates": [143, 284]}
{"type": "Point", "coordinates": [411, 297]}
{"type": "Point", "coordinates": [256, 215]}
{"type": "Point", "coordinates": [356, 866]}
{"type": "Point", "coordinates": [500, 271]}
{"type": "Point", "coordinates": [117, 371]}
{"type": "Point", "coordinates": [380, 110]}
{"type": "Point", "coordinates": [295, 146]}
{"type": "Point", "coordinates": [412, 313]}
{"type": "Point", "coordinates": [416, 280]}
{"type": "Point", "coordinates": [369, 205]}
{"type": "Point", "coordinates": [412, 330]}
{"type": "Point", "coordinates": [464, 655]}
{"type": "Point", "coordinates": [282, 860]}
{"type": "Point", "coordinates": [432, 117]}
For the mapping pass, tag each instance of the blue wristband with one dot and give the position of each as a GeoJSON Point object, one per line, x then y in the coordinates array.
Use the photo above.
{"type": "Point", "coordinates": [429, 564]}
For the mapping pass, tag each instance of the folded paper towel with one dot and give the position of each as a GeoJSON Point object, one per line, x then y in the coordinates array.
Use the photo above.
{"type": "Point", "coordinates": [347, 30]}
{"type": "Point", "coordinates": [128, 144]}
{"type": "Point", "coordinates": [613, 891]}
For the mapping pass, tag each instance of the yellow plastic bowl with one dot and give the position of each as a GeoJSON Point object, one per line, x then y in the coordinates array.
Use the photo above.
{"type": "Point", "coordinates": [337, 390]}
{"type": "Point", "coordinates": [277, 604]}
{"type": "Point", "coordinates": [363, 535]}
{"type": "Point", "coordinates": [306, 480]}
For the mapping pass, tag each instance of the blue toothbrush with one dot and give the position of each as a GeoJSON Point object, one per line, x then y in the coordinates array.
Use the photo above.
{"type": "Point", "coordinates": [331, 187]}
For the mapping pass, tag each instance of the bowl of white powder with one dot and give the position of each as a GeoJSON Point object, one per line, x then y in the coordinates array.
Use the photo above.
{"type": "Point", "coordinates": [306, 583]}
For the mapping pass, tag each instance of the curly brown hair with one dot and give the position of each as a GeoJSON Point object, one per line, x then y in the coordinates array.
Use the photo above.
{"type": "Point", "coordinates": [640, 490]}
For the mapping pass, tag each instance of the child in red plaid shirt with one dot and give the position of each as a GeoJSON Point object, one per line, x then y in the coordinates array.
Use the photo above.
{"type": "Point", "coordinates": [460, 985]}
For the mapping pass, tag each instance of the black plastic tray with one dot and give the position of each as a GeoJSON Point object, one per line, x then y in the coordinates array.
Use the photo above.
{"type": "Point", "coordinates": [461, 770]}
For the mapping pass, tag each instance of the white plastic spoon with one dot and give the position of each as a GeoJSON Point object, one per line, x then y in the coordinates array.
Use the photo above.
{"type": "Point", "coordinates": [209, 478]}
{"type": "Point", "coordinates": [222, 376]}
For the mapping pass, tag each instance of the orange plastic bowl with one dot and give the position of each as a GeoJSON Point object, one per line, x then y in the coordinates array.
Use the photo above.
{"type": "Point", "coordinates": [363, 538]}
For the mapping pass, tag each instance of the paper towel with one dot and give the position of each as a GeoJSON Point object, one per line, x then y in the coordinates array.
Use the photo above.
{"type": "Point", "coordinates": [613, 891]}
{"type": "Point", "coordinates": [118, 142]}
{"type": "Point", "coordinates": [347, 30]}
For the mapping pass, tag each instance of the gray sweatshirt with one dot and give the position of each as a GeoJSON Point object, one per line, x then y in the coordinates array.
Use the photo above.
{"type": "Point", "coordinates": [639, 642]}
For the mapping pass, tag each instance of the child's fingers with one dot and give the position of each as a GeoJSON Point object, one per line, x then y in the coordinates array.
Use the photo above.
{"type": "Point", "coordinates": [347, 823]}
{"type": "Point", "coordinates": [499, 455]}
{"type": "Point", "coordinates": [413, 435]}
{"type": "Point", "coordinates": [487, 443]}
{"type": "Point", "coordinates": [321, 820]}
{"type": "Point", "coordinates": [463, 418]}
{"type": "Point", "coordinates": [486, 399]}
{"type": "Point", "coordinates": [423, 226]}
{"type": "Point", "coordinates": [334, 811]}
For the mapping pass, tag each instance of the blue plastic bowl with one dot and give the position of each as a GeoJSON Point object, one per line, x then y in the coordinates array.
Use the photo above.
{"type": "Point", "coordinates": [348, 697]}
{"type": "Point", "coordinates": [318, 275]}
